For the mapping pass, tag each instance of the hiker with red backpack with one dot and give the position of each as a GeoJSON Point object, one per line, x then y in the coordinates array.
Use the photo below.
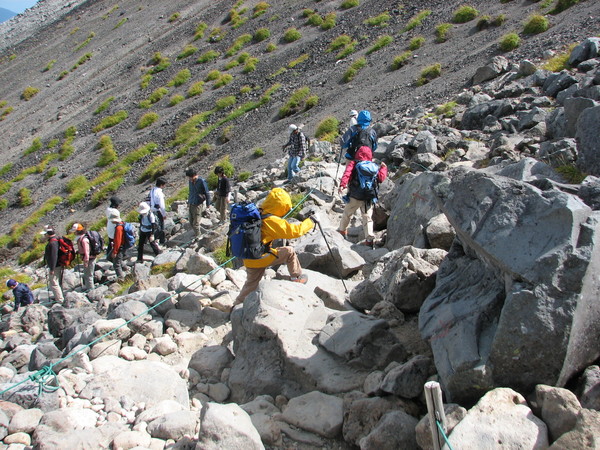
{"type": "Point", "coordinates": [57, 256]}
{"type": "Point", "coordinates": [273, 226]}
{"type": "Point", "coordinates": [362, 177]}
{"type": "Point", "coordinates": [120, 244]}
{"type": "Point", "coordinates": [88, 257]}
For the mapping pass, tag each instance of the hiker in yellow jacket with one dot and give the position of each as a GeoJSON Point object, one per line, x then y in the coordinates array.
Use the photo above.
{"type": "Point", "coordinates": [276, 205]}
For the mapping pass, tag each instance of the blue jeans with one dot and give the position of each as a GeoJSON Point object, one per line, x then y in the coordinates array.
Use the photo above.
{"type": "Point", "coordinates": [293, 168]}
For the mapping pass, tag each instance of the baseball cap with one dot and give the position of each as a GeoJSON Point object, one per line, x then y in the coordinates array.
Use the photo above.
{"type": "Point", "coordinates": [11, 283]}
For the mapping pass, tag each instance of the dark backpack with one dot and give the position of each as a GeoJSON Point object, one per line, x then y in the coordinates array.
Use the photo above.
{"type": "Point", "coordinates": [362, 138]}
{"type": "Point", "coordinates": [128, 235]}
{"type": "Point", "coordinates": [66, 251]}
{"type": "Point", "coordinates": [244, 238]}
{"type": "Point", "coordinates": [365, 180]}
{"type": "Point", "coordinates": [96, 242]}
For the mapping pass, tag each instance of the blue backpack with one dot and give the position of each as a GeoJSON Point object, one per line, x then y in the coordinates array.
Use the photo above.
{"type": "Point", "coordinates": [128, 235]}
{"type": "Point", "coordinates": [366, 179]}
{"type": "Point", "coordinates": [244, 238]}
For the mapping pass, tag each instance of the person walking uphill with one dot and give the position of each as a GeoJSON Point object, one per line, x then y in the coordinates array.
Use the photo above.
{"type": "Point", "coordinates": [87, 258]}
{"type": "Point", "coordinates": [119, 246]}
{"type": "Point", "coordinates": [112, 209]}
{"type": "Point", "coordinates": [360, 134]}
{"type": "Point", "coordinates": [222, 194]}
{"type": "Point", "coordinates": [157, 202]}
{"type": "Point", "coordinates": [362, 191]}
{"type": "Point", "coordinates": [276, 205]}
{"type": "Point", "coordinates": [198, 194]}
{"type": "Point", "coordinates": [55, 270]}
{"type": "Point", "coordinates": [148, 224]}
{"type": "Point", "coordinates": [22, 293]}
{"type": "Point", "coordinates": [298, 146]}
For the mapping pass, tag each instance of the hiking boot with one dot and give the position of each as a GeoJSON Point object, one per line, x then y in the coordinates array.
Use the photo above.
{"type": "Point", "coordinates": [301, 279]}
{"type": "Point", "coordinates": [343, 233]}
{"type": "Point", "coordinates": [368, 243]}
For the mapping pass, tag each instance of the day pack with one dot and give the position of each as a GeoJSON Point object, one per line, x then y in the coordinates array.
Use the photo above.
{"type": "Point", "coordinates": [366, 176]}
{"type": "Point", "coordinates": [66, 251]}
{"type": "Point", "coordinates": [96, 242]}
{"type": "Point", "coordinates": [358, 140]}
{"type": "Point", "coordinates": [244, 235]}
{"type": "Point", "coordinates": [128, 235]}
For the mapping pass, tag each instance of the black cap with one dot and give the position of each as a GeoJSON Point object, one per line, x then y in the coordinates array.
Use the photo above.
{"type": "Point", "coordinates": [114, 201]}
{"type": "Point", "coordinates": [161, 182]}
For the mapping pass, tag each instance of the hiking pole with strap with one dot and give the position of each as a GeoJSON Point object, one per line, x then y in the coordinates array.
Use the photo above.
{"type": "Point", "coordinates": [332, 257]}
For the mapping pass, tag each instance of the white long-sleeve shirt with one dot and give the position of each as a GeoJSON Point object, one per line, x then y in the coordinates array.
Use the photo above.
{"type": "Point", "coordinates": [157, 200]}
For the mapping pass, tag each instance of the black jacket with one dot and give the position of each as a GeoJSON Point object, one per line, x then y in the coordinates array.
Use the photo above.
{"type": "Point", "coordinates": [23, 296]}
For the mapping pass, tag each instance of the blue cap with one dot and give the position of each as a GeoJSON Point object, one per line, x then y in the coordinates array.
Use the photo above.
{"type": "Point", "coordinates": [11, 283]}
{"type": "Point", "coordinates": [364, 118]}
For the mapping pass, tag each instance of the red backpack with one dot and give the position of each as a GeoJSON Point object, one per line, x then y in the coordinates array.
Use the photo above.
{"type": "Point", "coordinates": [66, 251]}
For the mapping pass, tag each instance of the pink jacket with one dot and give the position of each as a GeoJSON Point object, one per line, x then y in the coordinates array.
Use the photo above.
{"type": "Point", "coordinates": [362, 154]}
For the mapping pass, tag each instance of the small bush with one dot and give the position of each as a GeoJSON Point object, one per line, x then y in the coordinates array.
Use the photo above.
{"type": "Point", "coordinates": [176, 99]}
{"type": "Point", "coordinates": [174, 17]}
{"type": "Point", "coordinates": [35, 146]}
{"type": "Point", "coordinates": [160, 63]}
{"type": "Point", "coordinates": [429, 73]}
{"type": "Point", "coordinates": [121, 22]}
{"type": "Point", "coordinates": [560, 61]}
{"type": "Point", "coordinates": [216, 34]}
{"type": "Point", "coordinates": [104, 105]}
{"type": "Point", "coordinates": [311, 102]}
{"type": "Point", "coordinates": [81, 60]}
{"type": "Point", "coordinates": [182, 76]}
{"type": "Point", "coordinates": [29, 92]}
{"type": "Point", "coordinates": [353, 69]}
{"type": "Point", "coordinates": [401, 60]}
{"type": "Point", "coordinates": [499, 20]}
{"type": "Point", "coordinates": [571, 173]}
{"type": "Point", "coordinates": [562, 5]}
{"type": "Point", "coordinates": [63, 74]}
{"type": "Point", "coordinates": [86, 42]}
{"type": "Point", "coordinates": [261, 34]}
{"type": "Point", "coordinates": [259, 9]}
{"type": "Point", "coordinates": [111, 121]}
{"type": "Point", "coordinates": [154, 97]}
{"type": "Point", "coordinates": [441, 32]}
{"type": "Point", "coordinates": [382, 20]}
{"type": "Point", "coordinates": [328, 21]}
{"type": "Point", "coordinates": [270, 47]}
{"type": "Point", "coordinates": [167, 269]}
{"type": "Point", "coordinates": [3, 204]}
{"type": "Point", "coordinates": [381, 42]}
{"type": "Point", "coordinates": [347, 4]}
{"type": "Point", "coordinates": [108, 155]}
{"type": "Point", "coordinates": [49, 66]}
{"type": "Point", "coordinates": [536, 24]}
{"type": "Point", "coordinates": [243, 176]}
{"type": "Point", "coordinates": [416, 43]}
{"type": "Point", "coordinates": [295, 103]}
{"type": "Point", "coordinates": [328, 129]}
{"type": "Point", "coordinates": [145, 81]}
{"type": "Point", "coordinates": [196, 89]}
{"type": "Point", "coordinates": [238, 44]}
{"type": "Point", "coordinates": [146, 120]}
{"type": "Point", "coordinates": [484, 22]}
{"type": "Point", "coordinates": [315, 20]}
{"type": "Point", "coordinates": [464, 14]}
{"type": "Point", "coordinates": [245, 89]}
{"type": "Point", "coordinates": [212, 75]}
{"type": "Point", "coordinates": [225, 102]}
{"type": "Point", "coordinates": [51, 172]}
{"type": "Point", "coordinates": [339, 42]}
{"type": "Point", "coordinates": [5, 169]}
{"type": "Point", "coordinates": [208, 56]}
{"type": "Point", "coordinates": [223, 80]}
{"type": "Point", "coordinates": [250, 65]}
{"type": "Point", "coordinates": [446, 110]}
{"type": "Point", "coordinates": [231, 64]}
{"type": "Point", "coordinates": [509, 42]}
{"type": "Point", "coordinates": [25, 197]}
{"type": "Point", "coordinates": [257, 153]}
{"type": "Point", "coordinates": [347, 50]}
{"type": "Point", "coordinates": [417, 20]}
{"type": "Point", "coordinates": [188, 50]}
{"type": "Point", "coordinates": [291, 35]}
{"type": "Point", "coordinates": [200, 30]}
{"type": "Point", "coordinates": [307, 12]}
{"type": "Point", "coordinates": [155, 169]}
{"type": "Point", "coordinates": [6, 112]}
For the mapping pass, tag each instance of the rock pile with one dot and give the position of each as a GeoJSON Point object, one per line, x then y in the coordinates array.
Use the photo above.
{"type": "Point", "coordinates": [484, 279]}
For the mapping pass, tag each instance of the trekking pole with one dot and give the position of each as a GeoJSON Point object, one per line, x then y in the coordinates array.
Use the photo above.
{"type": "Point", "coordinates": [332, 257]}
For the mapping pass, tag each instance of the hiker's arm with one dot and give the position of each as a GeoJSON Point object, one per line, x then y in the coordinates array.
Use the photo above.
{"type": "Point", "coordinates": [53, 257]}
{"type": "Point", "coordinates": [347, 174]}
{"type": "Point", "coordinates": [346, 138]}
{"type": "Point", "coordinates": [374, 139]}
{"type": "Point", "coordinates": [117, 241]}
{"type": "Point", "coordinates": [85, 251]}
{"type": "Point", "coordinates": [278, 228]}
{"type": "Point", "coordinates": [382, 173]}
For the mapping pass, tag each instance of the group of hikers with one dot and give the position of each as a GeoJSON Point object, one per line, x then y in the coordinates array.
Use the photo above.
{"type": "Point", "coordinates": [361, 178]}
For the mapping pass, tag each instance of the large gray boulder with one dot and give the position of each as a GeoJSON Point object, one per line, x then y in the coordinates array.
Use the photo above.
{"type": "Point", "coordinates": [508, 308]}
{"type": "Point", "coordinates": [497, 66]}
{"type": "Point", "coordinates": [143, 381]}
{"type": "Point", "coordinates": [314, 254]}
{"type": "Point", "coordinates": [588, 49]}
{"type": "Point", "coordinates": [395, 430]}
{"type": "Point", "coordinates": [276, 347]}
{"type": "Point", "coordinates": [587, 138]}
{"type": "Point", "coordinates": [474, 117]}
{"type": "Point", "coordinates": [502, 415]}
{"type": "Point", "coordinates": [227, 426]}
{"type": "Point", "coordinates": [316, 412]}
{"type": "Point", "coordinates": [574, 106]}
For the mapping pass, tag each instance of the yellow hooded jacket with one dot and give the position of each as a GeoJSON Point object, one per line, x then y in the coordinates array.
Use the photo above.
{"type": "Point", "coordinates": [277, 203]}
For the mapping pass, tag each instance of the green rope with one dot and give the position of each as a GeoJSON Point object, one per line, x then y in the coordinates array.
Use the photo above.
{"type": "Point", "coordinates": [444, 434]}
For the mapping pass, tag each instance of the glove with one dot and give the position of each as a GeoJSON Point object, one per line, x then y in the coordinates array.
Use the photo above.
{"type": "Point", "coordinates": [315, 217]}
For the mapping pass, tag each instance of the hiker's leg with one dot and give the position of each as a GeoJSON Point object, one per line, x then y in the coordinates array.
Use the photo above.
{"type": "Point", "coordinates": [194, 219]}
{"type": "Point", "coordinates": [290, 172]}
{"type": "Point", "coordinates": [287, 255]}
{"type": "Point", "coordinates": [88, 275]}
{"type": "Point", "coordinates": [141, 243]}
{"type": "Point", "coordinates": [295, 167]}
{"type": "Point", "coordinates": [118, 265]}
{"type": "Point", "coordinates": [54, 281]}
{"type": "Point", "coordinates": [367, 220]}
{"type": "Point", "coordinates": [160, 229]}
{"type": "Point", "coordinates": [349, 210]}
{"type": "Point", "coordinates": [153, 244]}
{"type": "Point", "coordinates": [253, 276]}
